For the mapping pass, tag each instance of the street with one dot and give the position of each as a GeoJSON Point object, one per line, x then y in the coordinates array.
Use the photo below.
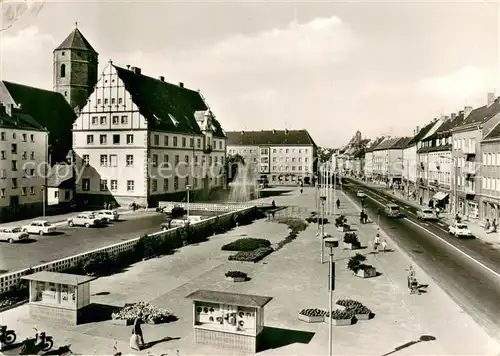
{"type": "Point", "coordinates": [467, 269]}
{"type": "Point", "coordinates": [73, 240]}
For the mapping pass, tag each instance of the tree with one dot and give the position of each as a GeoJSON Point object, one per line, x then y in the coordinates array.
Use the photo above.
{"type": "Point", "coordinates": [232, 164]}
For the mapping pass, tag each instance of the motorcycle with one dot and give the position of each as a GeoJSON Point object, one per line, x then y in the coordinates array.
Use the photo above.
{"type": "Point", "coordinates": [41, 342]}
{"type": "Point", "coordinates": [7, 337]}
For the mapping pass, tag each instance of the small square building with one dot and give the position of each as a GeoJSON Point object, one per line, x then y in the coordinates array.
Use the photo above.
{"type": "Point", "coordinates": [228, 320]}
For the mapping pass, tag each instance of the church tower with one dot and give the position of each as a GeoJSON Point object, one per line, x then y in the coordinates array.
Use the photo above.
{"type": "Point", "coordinates": [75, 69]}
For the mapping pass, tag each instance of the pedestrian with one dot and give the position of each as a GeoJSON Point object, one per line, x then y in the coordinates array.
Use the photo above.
{"type": "Point", "coordinates": [494, 225]}
{"type": "Point", "coordinates": [421, 200]}
{"type": "Point", "coordinates": [458, 218]}
{"type": "Point", "coordinates": [376, 242]}
{"type": "Point", "coordinates": [338, 203]}
{"type": "Point", "coordinates": [437, 211]}
{"type": "Point", "coordinates": [487, 224]}
{"type": "Point", "coordinates": [273, 204]}
{"type": "Point", "coordinates": [137, 335]}
{"type": "Point", "coordinates": [384, 245]}
{"type": "Point", "coordinates": [301, 190]}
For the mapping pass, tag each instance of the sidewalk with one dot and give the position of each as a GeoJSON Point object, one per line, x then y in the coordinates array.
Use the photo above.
{"type": "Point", "coordinates": [448, 218]}
{"type": "Point", "coordinates": [295, 279]}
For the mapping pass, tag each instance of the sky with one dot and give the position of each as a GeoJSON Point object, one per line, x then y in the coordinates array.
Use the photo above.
{"type": "Point", "coordinates": [329, 67]}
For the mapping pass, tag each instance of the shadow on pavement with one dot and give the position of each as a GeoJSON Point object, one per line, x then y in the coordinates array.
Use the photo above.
{"type": "Point", "coordinates": [422, 338]}
{"type": "Point", "coordinates": [273, 338]}
{"type": "Point", "coordinates": [96, 312]}
{"type": "Point", "coordinates": [62, 350]}
{"type": "Point", "coordinates": [150, 344]}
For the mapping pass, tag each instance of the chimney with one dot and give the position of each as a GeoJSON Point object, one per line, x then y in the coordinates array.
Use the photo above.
{"type": "Point", "coordinates": [136, 70]}
{"type": "Point", "coordinates": [242, 132]}
{"type": "Point", "coordinates": [181, 84]}
{"type": "Point", "coordinates": [161, 78]}
{"type": "Point", "coordinates": [453, 115]}
{"type": "Point", "coordinates": [467, 111]}
{"type": "Point", "coordinates": [417, 130]}
{"type": "Point", "coordinates": [274, 131]}
{"type": "Point", "coordinates": [8, 109]}
{"type": "Point", "coordinates": [128, 66]}
{"type": "Point", "coordinates": [490, 98]}
{"type": "Point", "coordinates": [286, 131]}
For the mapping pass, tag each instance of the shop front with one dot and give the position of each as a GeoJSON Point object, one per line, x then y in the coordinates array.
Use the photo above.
{"type": "Point", "coordinates": [58, 297]}
{"type": "Point", "coordinates": [468, 205]}
{"type": "Point", "coordinates": [441, 200]}
{"type": "Point", "coordinates": [228, 320]}
{"type": "Point", "coordinates": [490, 209]}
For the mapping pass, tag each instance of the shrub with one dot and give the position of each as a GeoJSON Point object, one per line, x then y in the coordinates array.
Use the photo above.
{"type": "Point", "coordinates": [236, 274]}
{"type": "Point", "coordinates": [340, 221]}
{"type": "Point", "coordinates": [317, 220]}
{"type": "Point", "coordinates": [342, 314]}
{"type": "Point", "coordinates": [351, 238]}
{"type": "Point", "coordinates": [354, 262]}
{"type": "Point", "coordinates": [15, 294]}
{"type": "Point", "coordinates": [294, 224]}
{"type": "Point", "coordinates": [246, 244]}
{"type": "Point", "coordinates": [98, 263]}
{"type": "Point", "coordinates": [364, 267]}
{"type": "Point", "coordinates": [349, 303]}
{"type": "Point", "coordinates": [313, 312]}
{"type": "Point", "coordinates": [251, 256]}
{"type": "Point", "coordinates": [178, 211]}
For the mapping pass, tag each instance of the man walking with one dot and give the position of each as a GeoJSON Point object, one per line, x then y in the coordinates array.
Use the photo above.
{"type": "Point", "coordinates": [338, 203]}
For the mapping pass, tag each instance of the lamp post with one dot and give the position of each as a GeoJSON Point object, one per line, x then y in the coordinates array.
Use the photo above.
{"type": "Point", "coordinates": [322, 233]}
{"type": "Point", "coordinates": [188, 188]}
{"type": "Point", "coordinates": [331, 244]}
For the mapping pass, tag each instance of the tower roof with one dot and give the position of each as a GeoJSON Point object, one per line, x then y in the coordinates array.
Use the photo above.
{"type": "Point", "coordinates": [75, 40]}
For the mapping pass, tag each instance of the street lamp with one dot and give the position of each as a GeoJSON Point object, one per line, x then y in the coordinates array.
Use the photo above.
{"type": "Point", "coordinates": [188, 188]}
{"type": "Point", "coordinates": [454, 160]}
{"type": "Point", "coordinates": [331, 243]}
{"type": "Point", "coordinates": [322, 233]}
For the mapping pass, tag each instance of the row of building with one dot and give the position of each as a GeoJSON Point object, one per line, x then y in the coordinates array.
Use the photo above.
{"type": "Point", "coordinates": [453, 161]}
{"type": "Point", "coordinates": [119, 136]}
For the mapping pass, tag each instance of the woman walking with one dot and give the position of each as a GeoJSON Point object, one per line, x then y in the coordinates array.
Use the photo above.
{"type": "Point", "coordinates": [137, 339]}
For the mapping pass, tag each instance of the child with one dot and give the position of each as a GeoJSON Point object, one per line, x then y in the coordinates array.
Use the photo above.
{"type": "Point", "coordinates": [384, 245]}
{"type": "Point", "coordinates": [376, 242]}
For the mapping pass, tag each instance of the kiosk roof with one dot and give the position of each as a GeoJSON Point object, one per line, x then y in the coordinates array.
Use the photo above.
{"type": "Point", "coordinates": [244, 300]}
{"type": "Point", "coordinates": [59, 278]}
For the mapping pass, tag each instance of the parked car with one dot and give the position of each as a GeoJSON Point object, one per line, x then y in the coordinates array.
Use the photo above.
{"type": "Point", "coordinates": [392, 210]}
{"type": "Point", "coordinates": [427, 214]}
{"type": "Point", "coordinates": [181, 222]}
{"type": "Point", "coordinates": [40, 227]}
{"type": "Point", "coordinates": [13, 234]}
{"type": "Point", "coordinates": [361, 194]}
{"type": "Point", "coordinates": [108, 215]}
{"type": "Point", "coordinates": [86, 220]}
{"type": "Point", "coordinates": [459, 230]}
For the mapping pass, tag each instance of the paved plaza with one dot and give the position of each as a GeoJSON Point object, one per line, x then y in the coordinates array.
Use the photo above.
{"type": "Point", "coordinates": [295, 279]}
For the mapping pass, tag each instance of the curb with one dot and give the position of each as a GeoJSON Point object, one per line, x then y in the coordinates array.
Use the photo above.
{"type": "Point", "coordinates": [15, 305]}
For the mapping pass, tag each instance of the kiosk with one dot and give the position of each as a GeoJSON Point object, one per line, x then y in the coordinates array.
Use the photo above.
{"type": "Point", "coordinates": [59, 297]}
{"type": "Point", "coordinates": [228, 320]}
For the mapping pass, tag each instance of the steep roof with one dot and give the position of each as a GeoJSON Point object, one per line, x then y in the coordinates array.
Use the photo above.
{"type": "Point", "coordinates": [17, 120]}
{"type": "Point", "coordinates": [387, 144]}
{"type": "Point", "coordinates": [375, 143]}
{"type": "Point", "coordinates": [482, 114]}
{"type": "Point", "coordinates": [421, 134]}
{"type": "Point", "coordinates": [446, 126]}
{"type": "Point", "coordinates": [269, 137]}
{"type": "Point", "coordinates": [76, 40]}
{"type": "Point", "coordinates": [166, 106]}
{"type": "Point", "coordinates": [401, 143]}
{"type": "Point", "coordinates": [49, 109]}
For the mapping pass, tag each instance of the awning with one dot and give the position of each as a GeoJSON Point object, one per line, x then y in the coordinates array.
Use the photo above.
{"type": "Point", "coordinates": [440, 196]}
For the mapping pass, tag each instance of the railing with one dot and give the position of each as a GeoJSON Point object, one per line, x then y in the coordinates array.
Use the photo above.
{"type": "Point", "coordinates": [226, 207]}
{"type": "Point", "coordinates": [9, 280]}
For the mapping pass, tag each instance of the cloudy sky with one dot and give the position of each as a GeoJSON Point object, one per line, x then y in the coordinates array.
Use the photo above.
{"type": "Point", "coordinates": [331, 68]}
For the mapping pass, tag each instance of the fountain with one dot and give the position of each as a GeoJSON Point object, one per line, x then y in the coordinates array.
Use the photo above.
{"type": "Point", "coordinates": [244, 185]}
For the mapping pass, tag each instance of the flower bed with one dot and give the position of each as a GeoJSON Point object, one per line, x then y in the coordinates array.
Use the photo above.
{"type": "Point", "coordinates": [351, 241]}
{"type": "Point", "coordinates": [236, 276]}
{"type": "Point", "coordinates": [246, 244]}
{"type": "Point", "coordinates": [360, 311]}
{"type": "Point", "coordinates": [251, 256]}
{"type": "Point", "coordinates": [312, 315]}
{"type": "Point", "coordinates": [148, 313]}
{"type": "Point", "coordinates": [341, 317]}
{"type": "Point", "coordinates": [317, 220]}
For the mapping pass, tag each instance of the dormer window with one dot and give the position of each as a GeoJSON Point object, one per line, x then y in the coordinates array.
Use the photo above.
{"type": "Point", "coordinates": [173, 119]}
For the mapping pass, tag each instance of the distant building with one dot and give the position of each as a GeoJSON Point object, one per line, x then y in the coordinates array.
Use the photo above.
{"type": "Point", "coordinates": [283, 157]}
{"type": "Point", "coordinates": [60, 187]}
{"type": "Point", "coordinates": [142, 140]}
{"type": "Point", "coordinates": [23, 154]}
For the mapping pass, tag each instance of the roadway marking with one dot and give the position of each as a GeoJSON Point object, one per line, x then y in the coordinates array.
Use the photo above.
{"type": "Point", "coordinates": [449, 244]}
{"type": "Point", "coordinates": [440, 223]}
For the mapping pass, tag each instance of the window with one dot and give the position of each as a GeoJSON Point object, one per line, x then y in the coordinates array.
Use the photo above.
{"type": "Point", "coordinates": [484, 159]}
{"type": "Point", "coordinates": [116, 139]}
{"type": "Point", "coordinates": [114, 185]}
{"type": "Point", "coordinates": [63, 70]}
{"type": "Point", "coordinates": [103, 185]}
{"type": "Point", "coordinates": [102, 139]}
{"type": "Point", "coordinates": [154, 185]}
{"type": "Point", "coordinates": [3, 154]}
{"type": "Point", "coordinates": [14, 165]}
{"type": "Point", "coordinates": [176, 183]}
{"type": "Point", "coordinates": [220, 145]}
{"type": "Point", "coordinates": [3, 173]}
{"type": "Point", "coordinates": [186, 183]}
{"type": "Point", "coordinates": [104, 160]}
{"type": "Point", "coordinates": [130, 160]}
{"type": "Point", "coordinates": [90, 139]}
{"type": "Point", "coordinates": [130, 186]}
{"type": "Point", "coordinates": [113, 100]}
{"type": "Point", "coordinates": [176, 160]}
{"type": "Point", "coordinates": [130, 139]}
{"type": "Point", "coordinates": [165, 184]}
{"type": "Point", "coordinates": [24, 137]}
{"type": "Point", "coordinates": [14, 148]}
{"type": "Point", "coordinates": [32, 190]}
{"type": "Point", "coordinates": [115, 120]}
{"type": "Point", "coordinates": [156, 139]}
{"type": "Point", "coordinates": [186, 158]}
{"type": "Point", "coordinates": [14, 182]}
{"type": "Point", "coordinates": [183, 142]}
{"type": "Point", "coordinates": [103, 120]}
{"type": "Point", "coordinates": [25, 155]}
{"type": "Point", "coordinates": [155, 161]}
{"type": "Point", "coordinates": [85, 184]}
{"type": "Point", "coordinates": [14, 135]}
{"type": "Point", "coordinates": [24, 191]}
{"type": "Point", "coordinates": [105, 101]}
{"type": "Point", "coordinates": [120, 100]}
{"type": "Point", "coordinates": [191, 142]}
{"type": "Point", "coordinates": [99, 101]}
{"type": "Point", "coordinates": [85, 159]}
{"type": "Point", "coordinates": [198, 143]}
{"type": "Point", "coordinates": [175, 141]}
{"type": "Point", "coordinates": [165, 140]}
{"type": "Point", "coordinates": [196, 159]}
{"type": "Point", "coordinates": [67, 195]}
{"type": "Point", "coordinates": [274, 150]}
{"type": "Point", "coordinates": [165, 158]}
{"type": "Point", "coordinates": [113, 160]}
{"type": "Point", "coordinates": [3, 136]}
{"type": "Point", "coordinates": [94, 120]}
{"type": "Point", "coordinates": [2, 193]}
{"type": "Point", "coordinates": [124, 120]}
{"type": "Point", "coordinates": [32, 155]}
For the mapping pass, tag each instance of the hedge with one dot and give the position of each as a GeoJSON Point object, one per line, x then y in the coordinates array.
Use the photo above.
{"type": "Point", "coordinates": [251, 256]}
{"type": "Point", "coordinates": [246, 244]}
